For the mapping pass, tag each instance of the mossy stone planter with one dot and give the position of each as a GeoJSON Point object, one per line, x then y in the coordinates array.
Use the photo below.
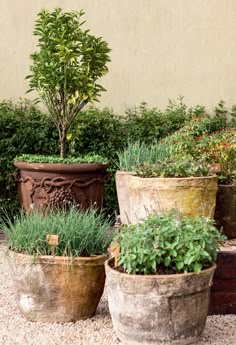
{"type": "Point", "coordinates": [57, 289]}
{"type": "Point", "coordinates": [138, 196]}
{"type": "Point", "coordinates": [225, 212]}
{"type": "Point", "coordinates": [158, 309]}
{"type": "Point", "coordinates": [43, 185]}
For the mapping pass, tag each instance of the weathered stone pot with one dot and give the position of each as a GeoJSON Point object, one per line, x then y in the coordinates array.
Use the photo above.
{"type": "Point", "coordinates": [57, 289]}
{"type": "Point", "coordinates": [138, 196]}
{"type": "Point", "coordinates": [153, 309]}
{"type": "Point", "coordinates": [225, 212]}
{"type": "Point", "coordinates": [45, 185]}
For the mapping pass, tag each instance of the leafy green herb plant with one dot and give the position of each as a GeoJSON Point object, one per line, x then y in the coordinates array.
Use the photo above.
{"type": "Point", "coordinates": [66, 67]}
{"type": "Point", "coordinates": [174, 168]}
{"type": "Point", "coordinates": [168, 243]}
{"type": "Point", "coordinates": [88, 158]}
{"type": "Point", "coordinates": [81, 233]}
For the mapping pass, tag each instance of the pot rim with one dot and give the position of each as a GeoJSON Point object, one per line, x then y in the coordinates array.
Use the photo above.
{"type": "Point", "coordinates": [122, 172]}
{"type": "Point", "coordinates": [226, 185]}
{"type": "Point", "coordinates": [156, 276]}
{"type": "Point", "coordinates": [56, 259]}
{"type": "Point", "coordinates": [61, 167]}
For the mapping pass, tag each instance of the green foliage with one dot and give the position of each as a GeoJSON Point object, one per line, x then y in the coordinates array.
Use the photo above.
{"type": "Point", "coordinates": [219, 149]}
{"type": "Point", "coordinates": [138, 153]}
{"type": "Point", "coordinates": [27, 130]}
{"type": "Point", "coordinates": [168, 243]}
{"type": "Point", "coordinates": [66, 67]}
{"type": "Point", "coordinates": [24, 129]}
{"type": "Point", "coordinates": [88, 158]}
{"type": "Point", "coordinates": [147, 124]}
{"type": "Point", "coordinates": [174, 168]}
{"type": "Point", "coordinates": [81, 233]}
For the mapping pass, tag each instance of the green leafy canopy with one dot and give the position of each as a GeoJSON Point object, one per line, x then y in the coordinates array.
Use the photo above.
{"type": "Point", "coordinates": [169, 241]}
{"type": "Point", "coordinates": [66, 67]}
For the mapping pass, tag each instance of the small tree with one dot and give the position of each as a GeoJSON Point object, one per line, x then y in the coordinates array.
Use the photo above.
{"type": "Point", "coordinates": [66, 67]}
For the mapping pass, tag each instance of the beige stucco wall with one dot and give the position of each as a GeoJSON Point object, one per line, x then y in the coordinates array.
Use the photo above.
{"type": "Point", "coordinates": [160, 48]}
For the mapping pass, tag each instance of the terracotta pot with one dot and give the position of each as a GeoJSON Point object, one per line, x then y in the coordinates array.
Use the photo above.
{"type": "Point", "coordinates": [225, 212]}
{"type": "Point", "coordinates": [45, 184]}
{"type": "Point", "coordinates": [57, 289]}
{"type": "Point", "coordinates": [153, 309]}
{"type": "Point", "coordinates": [138, 196]}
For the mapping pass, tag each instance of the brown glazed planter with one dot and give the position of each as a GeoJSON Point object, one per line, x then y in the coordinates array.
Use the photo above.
{"type": "Point", "coordinates": [57, 289]}
{"type": "Point", "coordinates": [47, 185]}
{"type": "Point", "coordinates": [225, 212]}
{"type": "Point", "coordinates": [223, 290]}
{"type": "Point", "coordinates": [153, 309]}
{"type": "Point", "coordinates": [138, 196]}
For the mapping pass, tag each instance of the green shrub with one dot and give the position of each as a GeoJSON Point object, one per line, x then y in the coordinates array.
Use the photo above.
{"type": "Point", "coordinates": [167, 244]}
{"type": "Point", "coordinates": [81, 233]}
{"type": "Point", "coordinates": [24, 129]}
{"type": "Point", "coordinates": [148, 124]}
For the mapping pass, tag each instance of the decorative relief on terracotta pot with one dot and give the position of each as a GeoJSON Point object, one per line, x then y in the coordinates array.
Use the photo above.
{"type": "Point", "coordinates": [59, 191]}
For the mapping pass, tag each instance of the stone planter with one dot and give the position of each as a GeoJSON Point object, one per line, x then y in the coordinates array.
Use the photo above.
{"type": "Point", "coordinates": [153, 309]}
{"type": "Point", "coordinates": [46, 185]}
{"type": "Point", "coordinates": [225, 212]}
{"type": "Point", "coordinates": [137, 196]}
{"type": "Point", "coordinates": [57, 289]}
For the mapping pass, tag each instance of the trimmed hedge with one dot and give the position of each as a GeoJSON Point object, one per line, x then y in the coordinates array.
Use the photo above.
{"type": "Point", "coordinates": [26, 129]}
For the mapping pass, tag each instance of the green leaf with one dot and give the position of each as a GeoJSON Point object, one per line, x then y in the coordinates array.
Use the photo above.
{"type": "Point", "coordinates": [167, 261]}
{"type": "Point", "coordinates": [197, 267]}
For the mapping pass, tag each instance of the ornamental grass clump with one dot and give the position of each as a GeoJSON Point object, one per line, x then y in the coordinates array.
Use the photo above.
{"type": "Point", "coordinates": [138, 153]}
{"type": "Point", "coordinates": [168, 243]}
{"type": "Point", "coordinates": [80, 233]}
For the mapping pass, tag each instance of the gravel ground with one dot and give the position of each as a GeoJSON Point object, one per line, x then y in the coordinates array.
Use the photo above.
{"type": "Point", "coordinates": [14, 330]}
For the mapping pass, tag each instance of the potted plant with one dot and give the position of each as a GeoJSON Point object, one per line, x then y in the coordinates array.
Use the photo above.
{"type": "Point", "coordinates": [65, 72]}
{"type": "Point", "coordinates": [219, 149]}
{"type": "Point", "coordinates": [159, 291]}
{"type": "Point", "coordinates": [153, 178]}
{"type": "Point", "coordinates": [56, 261]}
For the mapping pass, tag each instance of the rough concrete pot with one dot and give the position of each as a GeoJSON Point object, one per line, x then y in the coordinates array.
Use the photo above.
{"type": "Point", "coordinates": [44, 184]}
{"type": "Point", "coordinates": [138, 196]}
{"type": "Point", "coordinates": [225, 212]}
{"type": "Point", "coordinates": [57, 289]}
{"type": "Point", "coordinates": [153, 309]}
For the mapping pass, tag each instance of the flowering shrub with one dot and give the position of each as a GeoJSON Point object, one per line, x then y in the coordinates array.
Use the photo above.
{"type": "Point", "coordinates": [197, 141]}
{"type": "Point", "coordinates": [219, 149]}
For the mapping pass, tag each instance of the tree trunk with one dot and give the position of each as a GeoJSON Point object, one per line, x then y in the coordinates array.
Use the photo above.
{"type": "Point", "coordinates": [62, 144]}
